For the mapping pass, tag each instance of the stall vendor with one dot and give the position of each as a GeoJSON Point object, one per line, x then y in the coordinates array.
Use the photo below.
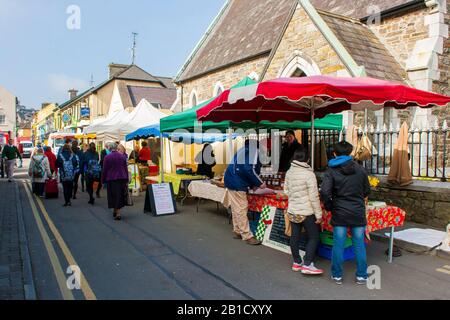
{"type": "Point", "coordinates": [145, 154]}
{"type": "Point", "coordinates": [206, 161]}
{"type": "Point", "coordinates": [287, 151]}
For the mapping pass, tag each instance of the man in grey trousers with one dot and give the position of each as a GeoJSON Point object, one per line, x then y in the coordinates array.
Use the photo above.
{"type": "Point", "coordinates": [10, 153]}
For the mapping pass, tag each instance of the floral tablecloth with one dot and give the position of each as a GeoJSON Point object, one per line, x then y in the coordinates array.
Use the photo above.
{"type": "Point", "coordinates": [256, 203]}
{"type": "Point", "coordinates": [377, 219]}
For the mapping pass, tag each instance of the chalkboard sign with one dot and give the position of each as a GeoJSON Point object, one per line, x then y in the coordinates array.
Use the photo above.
{"type": "Point", "coordinates": [275, 237]}
{"type": "Point", "coordinates": [159, 199]}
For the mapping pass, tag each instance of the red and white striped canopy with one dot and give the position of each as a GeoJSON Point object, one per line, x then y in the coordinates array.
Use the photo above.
{"type": "Point", "coordinates": [294, 99]}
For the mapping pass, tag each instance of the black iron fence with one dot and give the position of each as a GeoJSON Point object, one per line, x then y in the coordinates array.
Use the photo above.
{"type": "Point", "coordinates": [429, 150]}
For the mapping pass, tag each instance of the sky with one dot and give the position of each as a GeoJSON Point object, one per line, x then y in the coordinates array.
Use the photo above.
{"type": "Point", "coordinates": [50, 46]}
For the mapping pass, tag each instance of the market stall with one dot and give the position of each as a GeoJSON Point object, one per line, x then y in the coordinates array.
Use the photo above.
{"type": "Point", "coordinates": [311, 98]}
{"type": "Point", "coordinates": [142, 116]}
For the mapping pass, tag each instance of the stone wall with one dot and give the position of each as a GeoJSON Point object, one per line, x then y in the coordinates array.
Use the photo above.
{"type": "Point", "coordinates": [443, 85]}
{"type": "Point", "coordinates": [303, 36]}
{"type": "Point", "coordinates": [401, 32]}
{"type": "Point", "coordinates": [204, 86]}
{"type": "Point", "coordinates": [424, 202]}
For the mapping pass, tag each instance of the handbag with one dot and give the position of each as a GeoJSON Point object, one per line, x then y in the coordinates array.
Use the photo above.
{"type": "Point", "coordinates": [128, 198]}
{"type": "Point", "coordinates": [363, 149]}
{"type": "Point", "coordinates": [288, 226]}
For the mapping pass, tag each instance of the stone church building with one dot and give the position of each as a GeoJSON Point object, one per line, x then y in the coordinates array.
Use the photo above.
{"type": "Point", "coordinates": [404, 41]}
{"type": "Point", "coordinates": [398, 40]}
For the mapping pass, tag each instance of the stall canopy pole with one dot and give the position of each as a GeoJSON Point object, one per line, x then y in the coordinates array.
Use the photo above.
{"type": "Point", "coordinates": [313, 142]}
{"type": "Point", "coordinates": [230, 145]}
{"type": "Point", "coordinates": [161, 160]}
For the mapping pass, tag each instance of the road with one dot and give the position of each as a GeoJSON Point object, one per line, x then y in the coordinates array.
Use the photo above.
{"type": "Point", "coordinates": [187, 256]}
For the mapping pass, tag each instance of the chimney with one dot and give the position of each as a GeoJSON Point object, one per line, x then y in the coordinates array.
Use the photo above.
{"type": "Point", "coordinates": [72, 93]}
{"type": "Point", "coordinates": [115, 69]}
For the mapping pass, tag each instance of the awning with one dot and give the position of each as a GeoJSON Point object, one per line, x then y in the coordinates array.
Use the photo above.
{"type": "Point", "coordinates": [186, 138]}
{"type": "Point", "coordinates": [187, 120]}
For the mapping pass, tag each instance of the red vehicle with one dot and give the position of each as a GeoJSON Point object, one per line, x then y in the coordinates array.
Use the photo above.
{"type": "Point", "coordinates": [4, 137]}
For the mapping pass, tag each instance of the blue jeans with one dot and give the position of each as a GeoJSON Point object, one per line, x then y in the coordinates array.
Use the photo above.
{"type": "Point", "coordinates": [339, 237]}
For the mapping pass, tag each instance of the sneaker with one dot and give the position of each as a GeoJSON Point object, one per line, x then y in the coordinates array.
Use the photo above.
{"type": "Point", "coordinates": [361, 280]}
{"type": "Point", "coordinates": [296, 267]}
{"type": "Point", "coordinates": [337, 280]}
{"type": "Point", "coordinates": [311, 269]}
{"type": "Point", "coordinates": [253, 242]}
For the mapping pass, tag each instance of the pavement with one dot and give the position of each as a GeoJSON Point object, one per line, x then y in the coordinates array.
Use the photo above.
{"type": "Point", "coordinates": [186, 256]}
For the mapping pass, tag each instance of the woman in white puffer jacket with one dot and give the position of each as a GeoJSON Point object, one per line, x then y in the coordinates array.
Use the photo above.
{"type": "Point", "coordinates": [304, 210]}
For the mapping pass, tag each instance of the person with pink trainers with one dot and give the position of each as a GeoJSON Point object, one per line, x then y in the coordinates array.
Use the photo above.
{"type": "Point", "coordinates": [304, 211]}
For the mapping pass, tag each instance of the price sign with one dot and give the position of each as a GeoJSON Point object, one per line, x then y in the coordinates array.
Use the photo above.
{"type": "Point", "coordinates": [159, 199]}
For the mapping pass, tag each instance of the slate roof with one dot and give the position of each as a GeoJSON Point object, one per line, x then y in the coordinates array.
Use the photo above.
{"type": "Point", "coordinates": [357, 9]}
{"type": "Point", "coordinates": [162, 96]}
{"type": "Point", "coordinates": [365, 47]}
{"type": "Point", "coordinates": [246, 29]}
{"type": "Point", "coordinates": [133, 72]}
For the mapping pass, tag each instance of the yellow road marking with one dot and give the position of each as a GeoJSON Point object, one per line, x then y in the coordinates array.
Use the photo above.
{"type": "Point", "coordinates": [56, 265]}
{"type": "Point", "coordinates": [85, 287]}
{"type": "Point", "coordinates": [444, 269]}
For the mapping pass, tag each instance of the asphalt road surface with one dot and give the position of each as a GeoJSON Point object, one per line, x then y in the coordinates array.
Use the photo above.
{"type": "Point", "coordinates": [189, 255]}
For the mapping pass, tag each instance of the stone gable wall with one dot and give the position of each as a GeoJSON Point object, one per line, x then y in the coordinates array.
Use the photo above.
{"type": "Point", "coordinates": [204, 86]}
{"type": "Point", "coordinates": [303, 35]}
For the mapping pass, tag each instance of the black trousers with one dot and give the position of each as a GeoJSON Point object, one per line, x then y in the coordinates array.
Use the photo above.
{"type": "Point", "coordinates": [38, 188]}
{"type": "Point", "coordinates": [68, 190]}
{"type": "Point", "coordinates": [90, 187]}
{"type": "Point", "coordinates": [312, 231]}
{"type": "Point", "coordinates": [100, 185]}
{"type": "Point", "coordinates": [83, 181]}
{"type": "Point", "coordinates": [75, 183]}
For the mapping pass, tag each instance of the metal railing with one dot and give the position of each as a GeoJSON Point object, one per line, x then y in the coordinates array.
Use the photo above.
{"type": "Point", "coordinates": [429, 150]}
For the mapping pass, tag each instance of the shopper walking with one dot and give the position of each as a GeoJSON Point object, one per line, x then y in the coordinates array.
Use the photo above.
{"type": "Point", "coordinates": [79, 155]}
{"type": "Point", "coordinates": [91, 170]}
{"type": "Point", "coordinates": [68, 166]}
{"type": "Point", "coordinates": [106, 151]}
{"type": "Point", "coordinates": [84, 149]}
{"type": "Point", "coordinates": [39, 171]}
{"type": "Point", "coordinates": [51, 159]}
{"type": "Point", "coordinates": [344, 191]}
{"type": "Point", "coordinates": [304, 210]}
{"type": "Point", "coordinates": [115, 175]}
{"type": "Point", "coordinates": [10, 153]}
{"type": "Point", "coordinates": [241, 175]}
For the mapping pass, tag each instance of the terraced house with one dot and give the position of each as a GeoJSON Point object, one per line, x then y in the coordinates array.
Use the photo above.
{"type": "Point", "coordinates": [404, 41]}
{"type": "Point", "coordinates": [125, 87]}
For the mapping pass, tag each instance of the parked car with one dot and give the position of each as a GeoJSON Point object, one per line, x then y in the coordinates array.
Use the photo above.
{"type": "Point", "coordinates": [26, 148]}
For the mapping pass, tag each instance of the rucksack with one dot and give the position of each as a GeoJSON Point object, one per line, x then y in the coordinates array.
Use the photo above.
{"type": "Point", "coordinates": [38, 170]}
{"type": "Point", "coordinates": [68, 172]}
{"type": "Point", "coordinates": [94, 170]}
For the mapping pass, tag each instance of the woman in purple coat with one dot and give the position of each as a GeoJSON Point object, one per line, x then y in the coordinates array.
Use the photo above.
{"type": "Point", "coordinates": [115, 175]}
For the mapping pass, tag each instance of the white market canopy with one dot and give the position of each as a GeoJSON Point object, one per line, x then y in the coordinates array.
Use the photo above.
{"type": "Point", "coordinates": [144, 115]}
{"type": "Point", "coordinates": [112, 120]}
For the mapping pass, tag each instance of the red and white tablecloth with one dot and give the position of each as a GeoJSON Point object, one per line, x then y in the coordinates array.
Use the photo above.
{"type": "Point", "coordinates": [377, 219]}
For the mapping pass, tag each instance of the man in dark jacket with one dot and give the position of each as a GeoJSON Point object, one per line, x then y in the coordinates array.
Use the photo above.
{"type": "Point", "coordinates": [287, 151]}
{"type": "Point", "coordinates": [10, 153]}
{"type": "Point", "coordinates": [344, 191]}
{"type": "Point", "coordinates": [241, 175]}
